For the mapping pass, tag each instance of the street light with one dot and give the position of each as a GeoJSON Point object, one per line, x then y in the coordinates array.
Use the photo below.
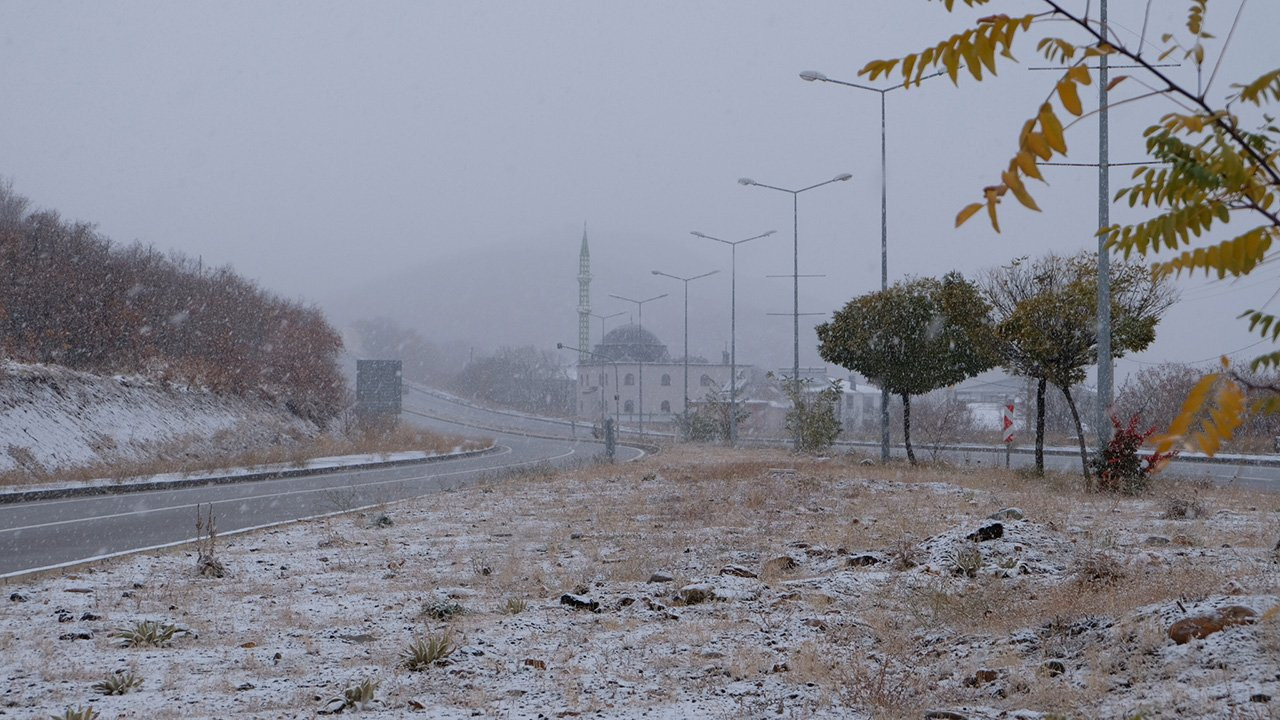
{"type": "Point", "coordinates": [686, 281]}
{"type": "Point", "coordinates": [616, 390]}
{"type": "Point", "coordinates": [602, 318]}
{"type": "Point", "coordinates": [795, 265]}
{"type": "Point", "coordinates": [640, 360]}
{"type": "Point", "coordinates": [811, 76]}
{"type": "Point", "coordinates": [733, 327]}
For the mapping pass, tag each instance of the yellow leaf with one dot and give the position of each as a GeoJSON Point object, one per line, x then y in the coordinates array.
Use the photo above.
{"type": "Point", "coordinates": [1080, 74]}
{"type": "Point", "coordinates": [1070, 100]}
{"type": "Point", "coordinates": [1027, 164]}
{"type": "Point", "coordinates": [1116, 81]}
{"type": "Point", "coordinates": [1052, 128]}
{"type": "Point", "coordinates": [967, 213]}
{"type": "Point", "coordinates": [1019, 190]}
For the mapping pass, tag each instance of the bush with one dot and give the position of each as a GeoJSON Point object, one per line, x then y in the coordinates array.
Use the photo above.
{"type": "Point", "coordinates": [812, 418]}
{"type": "Point", "coordinates": [1120, 468]}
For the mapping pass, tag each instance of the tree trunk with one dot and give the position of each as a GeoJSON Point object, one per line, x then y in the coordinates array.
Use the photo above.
{"type": "Point", "coordinates": [1084, 452]}
{"type": "Point", "coordinates": [1040, 384]}
{"type": "Point", "coordinates": [906, 427]}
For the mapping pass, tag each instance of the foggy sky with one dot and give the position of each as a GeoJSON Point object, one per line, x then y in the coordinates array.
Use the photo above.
{"type": "Point", "coordinates": [435, 161]}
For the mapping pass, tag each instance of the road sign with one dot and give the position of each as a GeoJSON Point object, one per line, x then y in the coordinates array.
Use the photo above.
{"type": "Point", "coordinates": [1007, 423]}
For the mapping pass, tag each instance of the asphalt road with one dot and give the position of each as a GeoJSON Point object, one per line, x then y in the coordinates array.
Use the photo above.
{"type": "Point", "coordinates": [54, 533]}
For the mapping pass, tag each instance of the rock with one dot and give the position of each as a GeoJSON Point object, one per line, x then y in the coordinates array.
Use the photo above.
{"type": "Point", "coordinates": [90, 617]}
{"type": "Point", "coordinates": [1157, 541]}
{"type": "Point", "coordinates": [575, 536]}
{"type": "Point", "coordinates": [944, 715]}
{"type": "Point", "coordinates": [659, 577]}
{"type": "Point", "coordinates": [780, 564]}
{"type": "Point", "coordinates": [981, 677]}
{"type": "Point", "coordinates": [17, 597]}
{"type": "Point", "coordinates": [1009, 513]}
{"type": "Point", "coordinates": [1260, 698]}
{"type": "Point", "coordinates": [994, 531]}
{"type": "Point", "coordinates": [579, 602]}
{"type": "Point", "coordinates": [816, 623]}
{"type": "Point", "coordinates": [696, 593]}
{"type": "Point", "coordinates": [82, 590]}
{"type": "Point", "coordinates": [737, 571]}
{"type": "Point", "coordinates": [864, 560]}
{"type": "Point", "coordinates": [82, 635]}
{"type": "Point", "coordinates": [1202, 626]}
{"type": "Point", "coordinates": [333, 707]}
{"type": "Point", "coordinates": [245, 686]}
{"type": "Point", "coordinates": [534, 663]}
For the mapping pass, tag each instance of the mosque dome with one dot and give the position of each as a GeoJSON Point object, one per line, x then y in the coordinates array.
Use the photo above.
{"type": "Point", "coordinates": [632, 343]}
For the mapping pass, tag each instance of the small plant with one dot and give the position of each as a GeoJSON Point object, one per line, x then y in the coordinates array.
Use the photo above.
{"type": "Point", "coordinates": [118, 683]}
{"type": "Point", "coordinates": [207, 562]}
{"type": "Point", "coordinates": [80, 713]}
{"type": "Point", "coordinates": [812, 419]}
{"type": "Point", "coordinates": [967, 561]}
{"type": "Point", "coordinates": [147, 633]}
{"type": "Point", "coordinates": [515, 606]}
{"type": "Point", "coordinates": [355, 697]}
{"type": "Point", "coordinates": [422, 653]}
{"type": "Point", "coordinates": [1120, 468]}
{"type": "Point", "coordinates": [1181, 508]}
{"type": "Point", "coordinates": [441, 609]}
{"type": "Point", "coordinates": [1098, 568]}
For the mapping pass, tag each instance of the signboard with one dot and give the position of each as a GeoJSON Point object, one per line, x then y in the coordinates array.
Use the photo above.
{"type": "Point", "coordinates": [378, 387]}
{"type": "Point", "coordinates": [1007, 423]}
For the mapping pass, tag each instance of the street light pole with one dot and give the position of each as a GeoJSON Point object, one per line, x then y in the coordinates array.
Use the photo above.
{"type": "Point", "coordinates": [686, 280]}
{"type": "Point", "coordinates": [812, 75]}
{"type": "Point", "coordinates": [602, 318]}
{"type": "Point", "coordinates": [795, 265]}
{"type": "Point", "coordinates": [640, 360]}
{"type": "Point", "coordinates": [733, 326]}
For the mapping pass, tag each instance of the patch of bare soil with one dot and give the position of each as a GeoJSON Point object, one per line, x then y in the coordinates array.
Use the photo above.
{"type": "Point", "coordinates": [698, 583]}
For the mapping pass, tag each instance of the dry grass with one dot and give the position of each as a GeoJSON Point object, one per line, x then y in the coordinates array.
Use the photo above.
{"type": "Point", "coordinates": [821, 639]}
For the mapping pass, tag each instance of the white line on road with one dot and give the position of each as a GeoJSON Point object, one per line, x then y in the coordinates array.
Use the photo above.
{"type": "Point", "coordinates": [239, 531]}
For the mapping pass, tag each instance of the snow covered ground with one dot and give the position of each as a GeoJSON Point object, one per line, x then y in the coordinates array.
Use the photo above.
{"type": "Point", "coordinates": [53, 417]}
{"type": "Point", "coordinates": [696, 583]}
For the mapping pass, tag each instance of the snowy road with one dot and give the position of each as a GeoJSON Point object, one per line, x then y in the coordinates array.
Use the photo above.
{"type": "Point", "coordinates": [55, 533]}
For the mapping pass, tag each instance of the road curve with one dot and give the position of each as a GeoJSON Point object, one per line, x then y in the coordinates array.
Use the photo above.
{"type": "Point", "coordinates": [49, 534]}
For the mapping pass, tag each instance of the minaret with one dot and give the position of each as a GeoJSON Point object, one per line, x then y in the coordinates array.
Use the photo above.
{"type": "Point", "coordinates": [584, 298]}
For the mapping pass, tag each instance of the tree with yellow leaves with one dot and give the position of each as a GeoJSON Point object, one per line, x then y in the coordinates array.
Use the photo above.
{"type": "Point", "coordinates": [1208, 166]}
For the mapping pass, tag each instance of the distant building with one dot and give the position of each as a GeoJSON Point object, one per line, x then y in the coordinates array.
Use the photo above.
{"type": "Point", "coordinates": [636, 357]}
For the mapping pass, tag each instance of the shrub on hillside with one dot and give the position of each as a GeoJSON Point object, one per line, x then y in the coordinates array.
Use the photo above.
{"type": "Point", "coordinates": [72, 298]}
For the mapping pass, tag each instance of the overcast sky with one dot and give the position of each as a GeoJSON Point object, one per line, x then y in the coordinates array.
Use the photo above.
{"type": "Point", "coordinates": [436, 161]}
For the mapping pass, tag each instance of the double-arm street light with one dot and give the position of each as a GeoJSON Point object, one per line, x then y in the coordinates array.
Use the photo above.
{"type": "Point", "coordinates": [795, 265]}
{"type": "Point", "coordinates": [602, 318]}
{"type": "Point", "coordinates": [686, 281]}
{"type": "Point", "coordinates": [811, 76]}
{"type": "Point", "coordinates": [640, 359]}
{"type": "Point", "coordinates": [733, 329]}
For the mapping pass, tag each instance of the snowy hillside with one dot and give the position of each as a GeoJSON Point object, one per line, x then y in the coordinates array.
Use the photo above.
{"type": "Point", "coordinates": [55, 418]}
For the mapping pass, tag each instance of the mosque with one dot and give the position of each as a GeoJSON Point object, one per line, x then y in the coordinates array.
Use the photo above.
{"type": "Point", "coordinates": [630, 374]}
